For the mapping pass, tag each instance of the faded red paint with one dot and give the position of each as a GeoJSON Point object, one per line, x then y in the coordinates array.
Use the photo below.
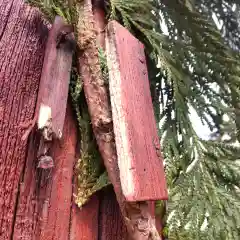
{"type": "Point", "coordinates": [22, 42]}
{"type": "Point", "coordinates": [55, 78]}
{"type": "Point", "coordinates": [141, 170]}
{"type": "Point", "coordinates": [59, 189]}
{"type": "Point", "coordinates": [43, 210]}
{"type": "Point", "coordinates": [84, 222]}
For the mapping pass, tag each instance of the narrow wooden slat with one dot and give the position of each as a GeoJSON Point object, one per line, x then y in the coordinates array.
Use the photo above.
{"type": "Point", "coordinates": [59, 190]}
{"type": "Point", "coordinates": [54, 84]}
{"type": "Point", "coordinates": [111, 224]}
{"type": "Point", "coordinates": [141, 170]}
{"type": "Point", "coordinates": [22, 42]}
{"type": "Point", "coordinates": [45, 195]}
{"type": "Point", "coordinates": [45, 199]}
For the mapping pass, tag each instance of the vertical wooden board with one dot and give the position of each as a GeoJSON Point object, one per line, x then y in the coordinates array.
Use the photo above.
{"type": "Point", "coordinates": [60, 201]}
{"type": "Point", "coordinates": [55, 78]}
{"type": "Point", "coordinates": [84, 222]}
{"type": "Point", "coordinates": [141, 170]}
{"type": "Point", "coordinates": [45, 200]}
{"type": "Point", "coordinates": [22, 41]}
{"type": "Point", "coordinates": [111, 225]}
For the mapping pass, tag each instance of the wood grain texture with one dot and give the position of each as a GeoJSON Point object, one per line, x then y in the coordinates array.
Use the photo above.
{"type": "Point", "coordinates": [34, 204]}
{"type": "Point", "coordinates": [44, 205]}
{"type": "Point", "coordinates": [111, 224]}
{"type": "Point", "coordinates": [45, 200]}
{"type": "Point", "coordinates": [55, 78]}
{"type": "Point", "coordinates": [141, 170]}
{"type": "Point", "coordinates": [22, 43]}
{"type": "Point", "coordinates": [84, 222]}
{"type": "Point", "coordinates": [57, 223]}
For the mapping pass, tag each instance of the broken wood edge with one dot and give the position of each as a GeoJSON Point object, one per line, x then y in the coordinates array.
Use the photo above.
{"type": "Point", "coordinates": [60, 41]}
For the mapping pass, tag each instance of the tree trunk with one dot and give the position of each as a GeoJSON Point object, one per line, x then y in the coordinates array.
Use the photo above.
{"type": "Point", "coordinates": [38, 204]}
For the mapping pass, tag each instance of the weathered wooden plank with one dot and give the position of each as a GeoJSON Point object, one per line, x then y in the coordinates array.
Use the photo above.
{"type": "Point", "coordinates": [84, 222]}
{"type": "Point", "coordinates": [55, 78]}
{"type": "Point", "coordinates": [141, 170]}
{"type": "Point", "coordinates": [44, 206]}
{"type": "Point", "coordinates": [60, 188]}
{"type": "Point", "coordinates": [53, 91]}
{"type": "Point", "coordinates": [111, 224]}
{"type": "Point", "coordinates": [22, 42]}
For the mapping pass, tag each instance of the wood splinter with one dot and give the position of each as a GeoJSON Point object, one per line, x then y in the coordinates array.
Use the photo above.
{"type": "Point", "coordinates": [53, 90]}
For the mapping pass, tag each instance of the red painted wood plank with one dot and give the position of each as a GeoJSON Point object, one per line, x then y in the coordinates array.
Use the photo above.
{"type": "Point", "coordinates": [158, 219]}
{"type": "Point", "coordinates": [84, 222]}
{"type": "Point", "coordinates": [111, 225]}
{"type": "Point", "coordinates": [60, 190]}
{"type": "Point", "coordinates": [141, 170]}
{"type": "Point", "coordinates": [45, 199]}
{"type": "Point", "coordinates": [55, 78]}
{"type": "Point", "coordinates": [22, 42]}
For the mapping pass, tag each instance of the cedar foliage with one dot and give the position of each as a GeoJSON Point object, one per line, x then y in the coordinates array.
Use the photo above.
{"type": "Point", "coordinates": [192, 65]}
